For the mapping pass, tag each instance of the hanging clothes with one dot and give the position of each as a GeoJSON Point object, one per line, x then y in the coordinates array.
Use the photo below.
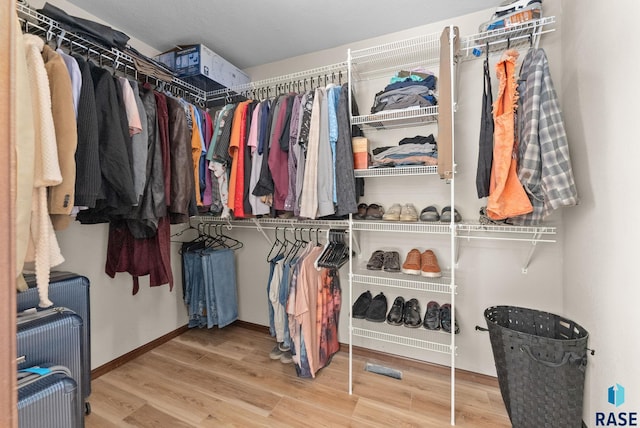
{"type": "Point", "coordinates": [210, 291]}
{"type": "Point", "coordinates": [42, 244]}
{"type": "Point", "coordinates": [507, 197]}
{"type": "Point", "coordinates": [181, 159]}
{"type": "Point", "coordinates": [485, 146]}
{"type": "Point", "coordinates": [545, 165]}
{"type": "Point", "coordinates": [88, 175]}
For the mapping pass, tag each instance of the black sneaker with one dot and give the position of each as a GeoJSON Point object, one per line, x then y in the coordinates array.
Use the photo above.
{"type": "Point", "coordinates": [412, 314]}
{"type": "Point", "coordinates": [391, 262]}
{"type": "Point", "coordinates": [377, 311]}
{"type": "Point", "coordinates": [359, 309]}
{"type": "Point", "coordinates": [432, 316]}
{"type": "Point", "coordinates": [376, 260]}
{"type": "Point", "coordinates": [396, 313]}
{"type": "Point", "coordinates": [445, 319]}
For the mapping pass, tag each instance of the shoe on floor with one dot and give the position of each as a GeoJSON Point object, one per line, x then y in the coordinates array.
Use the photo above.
{"type": "Point", "coordinates": [408, 213]}
{"type": "Point", "coordinates": [412, 314]}
{"type": "Point", "coordinates": [377, 311]}
{"type": "Point", "coordinates": [430, 266]}
{"type": "Point", "coordinates": [361, 305]}
{"type": "Point", "coordinates": [275, 353]}
{"type": "Point", "coordinates": [286, 358]}
{"type": "Point", "coordinates": [432, 316]}
{"type": "Point", "coordinates": [445, 319]}
{"type": "Point", "coordinates": [374, 212]}
{"type": "Point", "coordinates": [412, 264]}
{"type": "Point", "coordinates": [376, 260]}
{"type": "Point", "coordinates": [445, 216]}
{"type": "Point", "coordinates": [362, 212]}
{"type": "Point", "coordinates": [391, 262]}
{"type": "Point", "coordinates": [393, 214]}
{"type": "Point", "coordinates": [429, 213]}
{"type": "Point", "coordinates": [396, 313]}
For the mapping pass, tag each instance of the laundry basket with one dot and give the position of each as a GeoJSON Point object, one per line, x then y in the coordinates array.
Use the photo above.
{"type": "Point", "coordinates": [541, 360]}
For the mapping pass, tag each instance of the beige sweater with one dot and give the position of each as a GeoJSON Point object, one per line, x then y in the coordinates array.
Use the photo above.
{"type": "Point", "coordinates": [42, 243]}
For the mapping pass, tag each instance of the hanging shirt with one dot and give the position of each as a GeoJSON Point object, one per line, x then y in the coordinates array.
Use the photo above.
{"type": "Point", "coordinates": [75, 75]}
{"type": "Point", "coordinates": [236, 180]}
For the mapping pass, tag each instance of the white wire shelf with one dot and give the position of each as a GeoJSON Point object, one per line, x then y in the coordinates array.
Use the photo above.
{"type": "Point", "coordinates": [398, 118]}
{"type": "Point", "coordinates": [403, 227]}
{"type": "Point", "coordinates": [506, 232]}
{"type": "Point", "coordinates": [529, 32]}
{"type": "Point", "coordinates": [377, 61]}
{"type": "Point", "coordinates": [292, 222]}
{"type": "Point", "coordinates": [398, 339]}
{"type": "Point", "coordinates": [404, 281]}
{"type": "Point", "coordinates": [397, 171]}
{"type": "Point", "coordinates": [298, 81]}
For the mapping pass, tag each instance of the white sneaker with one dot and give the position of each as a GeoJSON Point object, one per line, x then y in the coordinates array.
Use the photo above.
{"type": "Point", "coordinates": [408, 213]}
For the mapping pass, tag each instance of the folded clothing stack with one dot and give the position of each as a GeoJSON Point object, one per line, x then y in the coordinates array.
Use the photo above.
{"type": "Point", "coordinates": [418, 150]}
{"type": "Point", "coordinates": [412, 90]}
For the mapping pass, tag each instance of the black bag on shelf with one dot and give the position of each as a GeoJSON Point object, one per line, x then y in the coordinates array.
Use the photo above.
{"type": "Point", "coordinates": [540, 360]}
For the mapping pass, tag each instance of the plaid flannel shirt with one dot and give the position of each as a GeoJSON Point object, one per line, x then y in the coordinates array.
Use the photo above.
{"type": "Point", "coordinates": [544, 167]}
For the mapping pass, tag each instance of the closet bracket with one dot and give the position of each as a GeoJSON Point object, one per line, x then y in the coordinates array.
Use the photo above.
{"type": "Point", "coordinates": [261, 230]}
{"type": "Point", "coordinates": [536, 237]}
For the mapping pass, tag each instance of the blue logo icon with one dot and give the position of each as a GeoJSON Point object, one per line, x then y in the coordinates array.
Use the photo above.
{"type": "Point", "coordinates": [616, 395]}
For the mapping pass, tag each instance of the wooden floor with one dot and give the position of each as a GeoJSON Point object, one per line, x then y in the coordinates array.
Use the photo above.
{"type": "Point", "coordinates": [224, 378]}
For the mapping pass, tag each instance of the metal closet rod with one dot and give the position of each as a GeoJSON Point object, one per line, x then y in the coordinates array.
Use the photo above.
{"type": "Point", "coordinates": [50, 29]}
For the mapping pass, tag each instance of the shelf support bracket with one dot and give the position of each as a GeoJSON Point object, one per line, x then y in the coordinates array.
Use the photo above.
{"type": "Point", "coordinates": [536, 236]}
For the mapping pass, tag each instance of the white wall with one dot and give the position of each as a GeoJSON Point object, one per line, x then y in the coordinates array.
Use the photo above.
{"type": "Point", "coordinates": [599, 92]}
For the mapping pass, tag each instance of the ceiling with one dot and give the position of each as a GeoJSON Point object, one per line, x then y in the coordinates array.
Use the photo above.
{"type": "Point", "coordinates": [249, 33]}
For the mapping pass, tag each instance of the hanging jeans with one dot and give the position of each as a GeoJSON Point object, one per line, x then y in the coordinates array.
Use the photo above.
{"type": "Point", "coordinates": [507, 197]}
{"type": "Point", "coordinates": [485, 149]}
{"type": "Point", "coordinates": [275, 275]}
{"type": "Point", "coordinates": [210, 291]}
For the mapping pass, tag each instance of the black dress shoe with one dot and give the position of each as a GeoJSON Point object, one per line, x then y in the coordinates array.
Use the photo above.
{"type": "Point", "coordinates": [396, 313]}
{"type": "Point", "coordinates": [359, 309]}
{"type": "Point", "coordinates": [412, 314]}
{"type": "Point", "coordinates": [377, 311]}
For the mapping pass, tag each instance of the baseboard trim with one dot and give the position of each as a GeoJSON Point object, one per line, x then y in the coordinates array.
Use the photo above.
{"type": "Point", "coordinates": [370, 354]}
{"type": "Point", "coordinates": [106, 368]}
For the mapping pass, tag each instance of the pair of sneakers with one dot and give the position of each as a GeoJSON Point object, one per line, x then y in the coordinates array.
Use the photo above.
{"type": "Point", "coordinates": [397, 212]}
{"type": "Point", "coordinates": [281, 352]}
{"type": "Point", "coordinates": [425, 264]}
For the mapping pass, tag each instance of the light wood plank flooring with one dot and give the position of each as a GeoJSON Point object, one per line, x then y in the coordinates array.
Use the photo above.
{"type": "Point", "coordinates": [224, 378]}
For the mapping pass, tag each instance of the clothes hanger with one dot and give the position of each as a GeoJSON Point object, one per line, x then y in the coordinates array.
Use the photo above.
{"type": "Point", "coordinates": [277, 248]}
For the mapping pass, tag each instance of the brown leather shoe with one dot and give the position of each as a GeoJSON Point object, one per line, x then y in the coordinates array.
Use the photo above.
{"type": "Point", "coordinates": [430, 267]}
{"type": "Point", "coordinates": [412, 264]}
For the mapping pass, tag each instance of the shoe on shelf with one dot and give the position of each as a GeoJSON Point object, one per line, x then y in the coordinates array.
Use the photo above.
{"type": "Point", "coordinates": [391, 262]}
{"type": "Point", "coordinates": [445, 319]}
{"type": "Point", "coordinates": [430, 267]}
{"type": "Point", "coordinates": [408, 213]}
{"type": "Point", "coordinates": [286, 358]}
{"type": "Point", "coordinates": [377, 311]}
{"type": "Point", "coordinates": [393, 214]}
{"type": "Point", "coordinates": [362, 212]}
{"type": "Point", "coordinates": [396, 313]}
{"type": "Point", "coordinates": [275, 353]}
{"type": "Point", "coordinates": [412, 264]}
{"type": "Point", "coordinates": [412, 314]}
{"type": "Point", "coordinates": [432, 316]}
{"type": "Point", "coordinates": [429, 213]}
{"type": "Point", "coordinates": [361, 305]}
{"type": "Point", "coordinates": [445, 215]}
{"type": "Point", "coordinates": [376, 260]}
{"type": "Point", "coordinates": [374, 212]}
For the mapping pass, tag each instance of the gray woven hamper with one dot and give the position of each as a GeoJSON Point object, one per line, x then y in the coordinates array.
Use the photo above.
{"type": "Point", "coordinates": [540, 360]}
